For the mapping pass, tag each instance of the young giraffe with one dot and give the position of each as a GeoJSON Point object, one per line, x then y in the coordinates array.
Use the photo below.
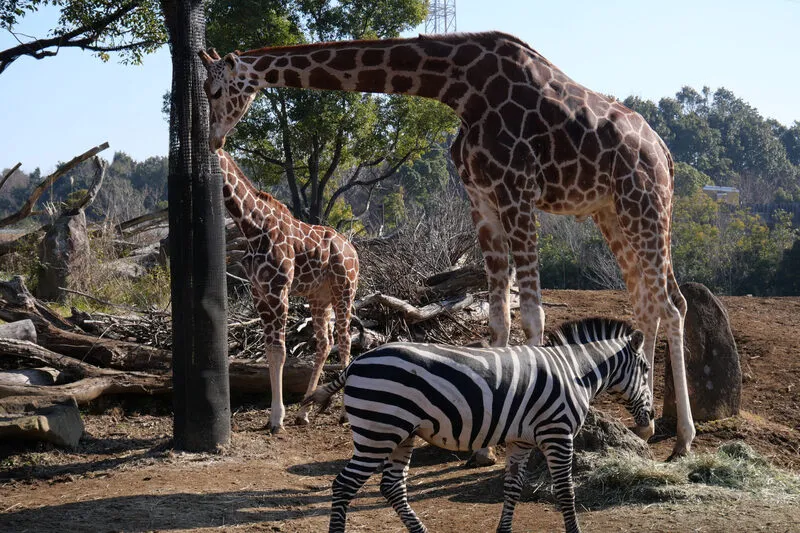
{"type": "Point", "coordinates": [285, 255]}
{"type": "Point", "coordinates": [530, 137]}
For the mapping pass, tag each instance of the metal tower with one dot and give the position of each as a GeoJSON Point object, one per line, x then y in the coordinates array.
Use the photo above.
{"type": "Point", "coordinates": [441, 16]}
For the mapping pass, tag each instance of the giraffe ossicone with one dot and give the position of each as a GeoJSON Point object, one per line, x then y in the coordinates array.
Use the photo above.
{"type": "Point", "coordinates": [530, 137]}
{"type": "Point", "coordinates": [287, 256]}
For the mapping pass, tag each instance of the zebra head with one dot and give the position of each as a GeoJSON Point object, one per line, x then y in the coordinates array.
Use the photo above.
{"type": "Point", "coordinates": [633, 386]}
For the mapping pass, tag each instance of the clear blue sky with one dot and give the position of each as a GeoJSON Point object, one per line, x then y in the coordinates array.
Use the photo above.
{"type": "Point", "coordinates": [56, 108]}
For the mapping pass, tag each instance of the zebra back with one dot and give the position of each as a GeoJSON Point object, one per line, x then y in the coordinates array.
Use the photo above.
{"type": "Point", "coordinates": [583, 331]}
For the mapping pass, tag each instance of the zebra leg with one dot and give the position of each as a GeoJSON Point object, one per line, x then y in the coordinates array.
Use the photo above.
{"type": "Point", "coordinates": [393, 485]}
{"type": "Point", "coordinates": [516, 461]}
{"type": "Point", "coordinates": [557, 450]}
{"type": "Point", "coordinates": [346, 485]}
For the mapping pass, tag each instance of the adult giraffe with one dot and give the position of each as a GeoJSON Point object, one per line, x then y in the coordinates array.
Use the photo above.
{"type": "Point", "coordinates": [530, 137]}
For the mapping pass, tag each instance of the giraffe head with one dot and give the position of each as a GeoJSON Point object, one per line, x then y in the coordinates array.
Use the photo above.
{"type": "Point", "coordinates": [230, 90]}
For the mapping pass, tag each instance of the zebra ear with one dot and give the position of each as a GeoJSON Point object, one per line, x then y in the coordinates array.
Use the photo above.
{"type": "Point", "coordinates": [637, 340]}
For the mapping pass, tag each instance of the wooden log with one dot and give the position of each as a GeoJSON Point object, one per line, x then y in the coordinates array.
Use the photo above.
{"type": "Point", "coordinates": [245, 376]}
{"type": "Point", "coordinates": [413, 314]}
{"type": "Point", "coordinates": [20, 330]}
{"type": "Point", "coordinates": [91, 388]}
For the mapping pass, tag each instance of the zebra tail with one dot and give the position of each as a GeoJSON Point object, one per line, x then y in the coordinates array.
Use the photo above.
{"type": "Point", "coordinates": [323, 394]}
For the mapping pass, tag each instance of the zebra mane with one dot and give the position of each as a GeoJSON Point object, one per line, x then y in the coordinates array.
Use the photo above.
{"type": "Point", "coordinates": [587, 330]}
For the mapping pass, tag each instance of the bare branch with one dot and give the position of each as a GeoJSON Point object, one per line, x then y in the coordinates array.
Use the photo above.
{"type": "Point", "coordinates": [9, 174]}
{"type": "Point", "coordinates": [27, 207]}
{"type": "Point", "coordinates": [91, 31]}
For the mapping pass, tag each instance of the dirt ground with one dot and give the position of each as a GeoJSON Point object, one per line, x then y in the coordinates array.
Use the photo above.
{"type": "Point", "coordinates": [125, 477]}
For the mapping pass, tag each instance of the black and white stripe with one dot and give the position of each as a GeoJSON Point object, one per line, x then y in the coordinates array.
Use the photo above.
{"type": "Point", "coordinates": [470, 398]}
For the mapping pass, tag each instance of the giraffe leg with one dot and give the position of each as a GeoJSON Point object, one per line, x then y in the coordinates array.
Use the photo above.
{"type": "Point", "coordinates": [516, 461]}
{"type": "Point", "coordinates": [494, 245]}
{"type": "Point", "coordinates": [393, 485]}
{"type": "Point", "coordinates": [321, 315]}
{"type": "Point", "coordinates": [343, 307]}
{"type": "Point", "coordinates": [558, 452]}
{"type": "Point", "coordinates": [523, 237]}
{"type": "Point", "coordinates": [658, 299]}
{"type": "Point", "coordinates": [273, 311]}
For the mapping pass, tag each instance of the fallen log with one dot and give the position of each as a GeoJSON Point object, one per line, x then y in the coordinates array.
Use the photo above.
{"type": "Point", "coordinates": [63, 336]}
{"type": "Point", "coordinates": [245, 375]}
{"type": "Point", "coordinates": [413, 314]}
{"type": "Point", "coordinates": [21, 330]}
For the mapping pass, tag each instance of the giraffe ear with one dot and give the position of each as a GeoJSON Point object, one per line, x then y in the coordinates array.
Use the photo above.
{"type": "Point", "coordinates": [230, 61]}
{"type": "Point", "coordinates": [205, 58]}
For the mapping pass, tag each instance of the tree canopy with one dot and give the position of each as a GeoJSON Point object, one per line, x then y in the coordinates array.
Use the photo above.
{"type": "Point", "coordinates": [326, 143]}
{"type": "Point", "coordinates": [723, 137]}
{"type": "Point", "coordinates": [130, 28]}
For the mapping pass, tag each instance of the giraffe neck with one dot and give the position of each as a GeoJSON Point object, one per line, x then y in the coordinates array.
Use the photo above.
{"type": "Point", "coordinates": [252, 210]}
{"type": "Point", "coordinates": [449, 68]}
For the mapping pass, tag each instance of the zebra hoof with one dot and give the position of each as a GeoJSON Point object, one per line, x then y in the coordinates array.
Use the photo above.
{"type": "Point", "coordinates": [482, 457]}
{"type": "Point", "coordinates": [343, 419]}
{"type": "Point", "coordinates": [301, 420]}
{"type": "Point", "coordinates": [276, 429]}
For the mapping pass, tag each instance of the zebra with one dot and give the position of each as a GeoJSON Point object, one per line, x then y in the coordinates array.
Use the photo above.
{"type": "Point", "coordinates": [464, 399]}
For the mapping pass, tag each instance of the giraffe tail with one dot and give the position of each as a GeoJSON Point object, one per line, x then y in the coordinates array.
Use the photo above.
{"type": "Point", "coordinates": [323, 394]}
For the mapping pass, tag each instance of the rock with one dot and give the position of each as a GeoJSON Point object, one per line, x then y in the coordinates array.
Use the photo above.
{"type": "Point", "coordinates": [713, 372]}
{"type": "Point", "coordinates": [29, 376]}
{"type": "Point", "coordinates": [22, 330]}
{"type": "Point", "coordinates": [64, 253]}
{"type": "Point", "coordinates": [38, 419]}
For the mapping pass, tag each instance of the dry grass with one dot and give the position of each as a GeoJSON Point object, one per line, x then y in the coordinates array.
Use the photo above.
{"type": "Point", "coordinates": [733, 470]}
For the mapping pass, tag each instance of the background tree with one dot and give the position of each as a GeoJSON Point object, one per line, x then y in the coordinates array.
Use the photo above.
{"type": "Point", "coordinates": [131, 28]}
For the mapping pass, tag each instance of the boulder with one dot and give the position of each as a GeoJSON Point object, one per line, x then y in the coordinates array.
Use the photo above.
{"type": "Point", "coordinates": [29, 418]}
{"type": "Point", "coordinates": [713, 373]}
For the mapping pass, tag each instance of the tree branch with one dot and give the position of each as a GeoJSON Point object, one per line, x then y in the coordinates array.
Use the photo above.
{"type": "Point", "coordinates": [9, 174]}
{"type": "Point", "coordinates": [27, 207]}
{"type": "Point", "coordinates": [38, 48]}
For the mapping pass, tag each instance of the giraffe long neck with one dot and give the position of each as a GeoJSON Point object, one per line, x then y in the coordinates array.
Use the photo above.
{"type": "Point", "coordinates": [450, 69]}
{"type": "Point", "coordinates": [252, 210]}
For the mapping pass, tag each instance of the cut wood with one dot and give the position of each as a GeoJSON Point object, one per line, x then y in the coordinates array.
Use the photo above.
{"type": "Point", "coordinates": [21, 330]}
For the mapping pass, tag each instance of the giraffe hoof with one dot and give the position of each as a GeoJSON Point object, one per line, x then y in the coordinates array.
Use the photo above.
{"type": "Point", "coordinates": [677, 453]}
{"type": "Point", "coordinates": [483, 457]}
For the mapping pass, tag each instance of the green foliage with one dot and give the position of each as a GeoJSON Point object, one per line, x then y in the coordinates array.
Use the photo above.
{"type": "Point", "coordinates": [722, 136]}
{"type": "Point", "coordinates": [131, 29]}
{"type": "Point", "coordinates": [394, 209]}
{"type": "Point", "coordinates": [729, 249]}
{"type": "Point", "coordinates": [325, 143]}
{"type": "Point", "coordinates": [689, 180]}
